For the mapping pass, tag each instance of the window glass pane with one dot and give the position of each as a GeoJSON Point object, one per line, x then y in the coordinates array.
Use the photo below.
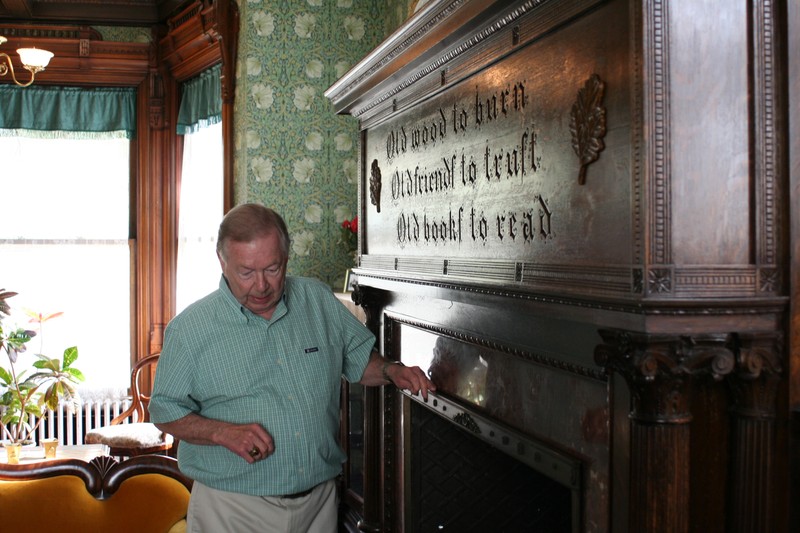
{"type": "Point", "coordinates": [64, 248]}
{"type": "Point", "coordinates": [199, 214]}
{"type": "Point", "coordinates": [64, 188]}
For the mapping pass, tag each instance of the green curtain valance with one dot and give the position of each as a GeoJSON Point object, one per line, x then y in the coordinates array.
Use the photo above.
{"type": "Point", "coordinates": [201, 101]}
{"type": "Point", "coordinates": [75, 109]}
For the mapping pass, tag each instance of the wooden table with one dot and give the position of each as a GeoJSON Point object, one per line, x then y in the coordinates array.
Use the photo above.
{"type": "Point", "coordinates": [35, 454]}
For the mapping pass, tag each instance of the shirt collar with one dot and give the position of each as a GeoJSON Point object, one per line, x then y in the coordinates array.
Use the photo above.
{"type": "Point", "coordinates": [245, 313]}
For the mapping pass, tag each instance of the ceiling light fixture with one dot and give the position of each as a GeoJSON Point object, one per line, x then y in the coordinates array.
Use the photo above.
{"type": "Point", "coordinates": [33, 60]}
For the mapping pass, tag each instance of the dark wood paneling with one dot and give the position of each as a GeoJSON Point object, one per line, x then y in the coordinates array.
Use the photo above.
{"type": "Point", "coordinates": [126, 12]}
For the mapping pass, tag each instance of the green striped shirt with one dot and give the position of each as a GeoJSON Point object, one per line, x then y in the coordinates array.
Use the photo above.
{"type": "Point", "coordinates": [223, 362]}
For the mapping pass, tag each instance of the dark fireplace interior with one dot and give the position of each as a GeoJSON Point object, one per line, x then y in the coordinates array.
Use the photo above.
{"type": "Point", "coordinates": [481, 453]}
{"type": "Point", "coordinates": [460, 483]}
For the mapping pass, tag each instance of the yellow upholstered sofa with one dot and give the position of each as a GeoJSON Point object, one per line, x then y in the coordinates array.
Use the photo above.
{"type": "Point", "coordinates": [144, 494]}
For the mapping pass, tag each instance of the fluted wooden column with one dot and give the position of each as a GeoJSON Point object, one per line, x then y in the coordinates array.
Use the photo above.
{"type": "Point", "coordinates": [659, 370]}
{"type": "Point", "coordinates": [374, 474]}
{"type": "Point", "coordinates": [754, 387]}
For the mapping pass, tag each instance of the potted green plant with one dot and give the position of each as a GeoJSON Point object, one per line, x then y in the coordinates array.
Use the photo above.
{"type": "Point", "coordinates": [30, 391]}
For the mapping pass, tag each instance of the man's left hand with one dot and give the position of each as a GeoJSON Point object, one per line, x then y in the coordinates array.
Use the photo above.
{"type": "Point", "coordinates": [411, 378]}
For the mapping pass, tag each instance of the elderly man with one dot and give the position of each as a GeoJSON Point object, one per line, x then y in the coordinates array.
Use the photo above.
{"type": "Point", "coordinates": [249, 381]}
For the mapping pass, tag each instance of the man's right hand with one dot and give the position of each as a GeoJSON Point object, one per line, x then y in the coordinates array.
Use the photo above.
{"type": "Point", "coordinates": [251, 441]}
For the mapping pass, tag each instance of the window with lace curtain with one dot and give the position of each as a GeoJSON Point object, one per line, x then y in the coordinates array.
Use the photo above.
{"type": "Point", "coordinates": [64, 247]}
{"type": "Point", "coordinates": [65, 233]}
{"type": "Point", "coordinates": [199, 214]}
{"type": "Point", "coordinates": [200, 202]}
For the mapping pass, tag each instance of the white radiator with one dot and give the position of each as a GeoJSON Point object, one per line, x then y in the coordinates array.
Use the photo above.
{"type": "Point", "coordinates": [70, 425]}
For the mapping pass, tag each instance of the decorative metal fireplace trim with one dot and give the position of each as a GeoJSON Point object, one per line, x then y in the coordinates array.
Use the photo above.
{"type": "Point", "coordinates": [541, 457]}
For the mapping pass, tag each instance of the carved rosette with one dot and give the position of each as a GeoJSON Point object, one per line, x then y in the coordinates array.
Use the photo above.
{"type": "Point", "coordinates": [659, 280]}
{"type": "Point", "coordinates": [769, 280]}
{"type": "Point", "coordinates": [659, 369]}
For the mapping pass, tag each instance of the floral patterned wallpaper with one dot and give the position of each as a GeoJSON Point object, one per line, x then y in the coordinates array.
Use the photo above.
{"type": "Point", "coordinates": [124, 34]}
{"type": "Point", "coordinates": [292, 152]}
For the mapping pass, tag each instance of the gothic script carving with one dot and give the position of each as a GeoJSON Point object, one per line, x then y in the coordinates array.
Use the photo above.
{"type": "Point", "coordinates": [486, 169]}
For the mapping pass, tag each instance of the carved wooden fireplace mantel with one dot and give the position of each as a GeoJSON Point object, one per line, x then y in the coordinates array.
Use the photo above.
{"type": "Point", "coordinates": [572, 217]}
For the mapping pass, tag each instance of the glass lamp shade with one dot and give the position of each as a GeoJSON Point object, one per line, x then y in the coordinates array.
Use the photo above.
{"type": "Point", "coordinates": [34, 58]}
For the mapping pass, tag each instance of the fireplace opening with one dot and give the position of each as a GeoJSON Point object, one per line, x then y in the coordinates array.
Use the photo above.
{"type": "Point", "coordinates": [461, 482]}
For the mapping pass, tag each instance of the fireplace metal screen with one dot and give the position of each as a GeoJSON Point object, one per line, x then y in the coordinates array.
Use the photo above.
{"type": "Point", "coordinates": [460, 483]}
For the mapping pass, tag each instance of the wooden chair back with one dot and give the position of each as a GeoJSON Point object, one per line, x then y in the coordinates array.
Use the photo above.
{"type": "Point", "coordinates": [139, 436]}
{"type": "Point", "coordinates": [139, 400]}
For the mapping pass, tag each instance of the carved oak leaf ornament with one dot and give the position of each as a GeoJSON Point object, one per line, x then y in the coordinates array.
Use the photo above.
{"type": "Point", "coordinates": [588, 124]}
{"type": "Point", "coordinates": [375, 185]}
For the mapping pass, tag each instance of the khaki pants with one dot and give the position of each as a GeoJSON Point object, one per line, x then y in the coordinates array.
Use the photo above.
{"type": "Point", "coordinates": [215, 511]}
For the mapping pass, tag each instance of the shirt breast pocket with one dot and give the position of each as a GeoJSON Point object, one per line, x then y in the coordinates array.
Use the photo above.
{"type": "Point", "coordinates": [319, 369]}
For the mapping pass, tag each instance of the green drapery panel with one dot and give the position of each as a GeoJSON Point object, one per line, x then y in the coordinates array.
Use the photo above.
{"type": "Point", "coordinates": [201, 101]}
{"type": "Point", "coordinates": [72, 109]}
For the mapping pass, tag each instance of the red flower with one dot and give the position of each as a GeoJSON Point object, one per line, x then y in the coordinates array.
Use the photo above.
{"type": "Point", "coordinates": [351, 225]}
{"type": "Point", "coordinates": [349, 233]}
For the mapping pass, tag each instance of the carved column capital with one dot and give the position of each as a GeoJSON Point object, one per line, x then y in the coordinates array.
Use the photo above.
{"type": "Point", "coordinates": [372, 301]}
{"type": "Point", "coordinates": [758, 370]}
{"type": "Point", "coordinates": [659, 369]}
{"type": "Point", "coordinates": [754, 387]}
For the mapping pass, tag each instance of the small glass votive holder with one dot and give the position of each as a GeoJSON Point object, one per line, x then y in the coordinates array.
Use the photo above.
{"type": "Point", "coordinates": [13, 451]}
{"type": "Point", "coordinates": [50, 446]}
